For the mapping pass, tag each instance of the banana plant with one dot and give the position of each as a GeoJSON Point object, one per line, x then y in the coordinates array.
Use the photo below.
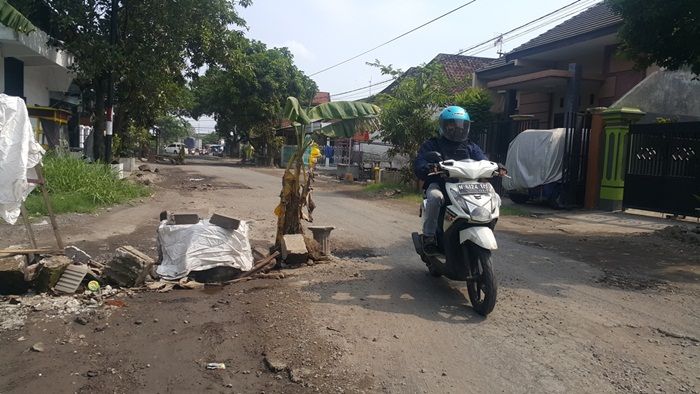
{"type": "Point", "coordinates": [338, 119]}
{"type": "Point", "coordinates": [10, 17]}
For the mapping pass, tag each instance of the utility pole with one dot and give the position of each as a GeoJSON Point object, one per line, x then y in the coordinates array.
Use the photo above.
{"type": "Point", "coordinates": [109, 120]}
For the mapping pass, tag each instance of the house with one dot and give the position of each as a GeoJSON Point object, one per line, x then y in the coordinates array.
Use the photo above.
{"type": "Point", "coordinates": [458, 69]}
{"type": "Point", "coordinates": [573, 76]}
{"type": "Point", "coordinates": [571, 67]}
{"type": "Point", "coordinates": [40, 75]}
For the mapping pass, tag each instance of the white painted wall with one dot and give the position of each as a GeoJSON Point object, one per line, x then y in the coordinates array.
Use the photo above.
{"type": "Point", "coordinates": [36, 82]}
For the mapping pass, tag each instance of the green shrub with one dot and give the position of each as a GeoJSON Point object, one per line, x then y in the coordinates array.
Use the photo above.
{"type": "Point", "coordinates": [77, 186]}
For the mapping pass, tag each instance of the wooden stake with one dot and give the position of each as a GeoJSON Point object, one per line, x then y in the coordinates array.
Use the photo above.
{"type": "Point", "coordinates": [25, 219]}
{"type": "Point", "coordinates": [45, 193]}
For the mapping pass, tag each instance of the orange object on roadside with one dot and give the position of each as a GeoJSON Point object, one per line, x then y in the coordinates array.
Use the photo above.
{"type": "Point", "coordinates": [116, 303]}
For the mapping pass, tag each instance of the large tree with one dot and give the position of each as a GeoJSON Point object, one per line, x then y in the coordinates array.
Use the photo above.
{"type": "Point", "coordinates": [247, 92]}
{"type": "Point", "coordinates": [661, 32]}
{"type": "Point", "coordinates": [162, 44]}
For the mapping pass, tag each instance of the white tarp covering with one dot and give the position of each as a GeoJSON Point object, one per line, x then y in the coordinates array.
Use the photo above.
{"type": "Point", "coordinates": [535, 157]}
{"type": "Point", "coordinates": [19, 153]}
{"type": "Point", "coordinates": [201, 246]}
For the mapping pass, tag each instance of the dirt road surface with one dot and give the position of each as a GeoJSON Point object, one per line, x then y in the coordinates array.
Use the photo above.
{"type": "Point", "coordinates": [581, 308]}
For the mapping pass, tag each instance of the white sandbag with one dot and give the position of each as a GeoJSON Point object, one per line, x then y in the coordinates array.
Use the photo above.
{"type": "Point", "coordinates": [201, 246]}
{"type": "Point", "coordinates": [535, 157]}
{"type": "Point", "coordinates": [19, 153]}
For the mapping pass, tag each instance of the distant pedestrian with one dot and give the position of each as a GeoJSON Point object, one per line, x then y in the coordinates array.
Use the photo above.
{"type": "Point", "coordinates": [328, 152]}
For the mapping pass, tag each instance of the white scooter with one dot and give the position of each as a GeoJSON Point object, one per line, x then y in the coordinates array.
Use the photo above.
{"type": "Point", "coordinates": [466, 237]}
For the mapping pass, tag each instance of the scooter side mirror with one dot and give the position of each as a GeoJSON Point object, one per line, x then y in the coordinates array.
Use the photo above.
{"type": "Point", "coordinates": [433, 157]}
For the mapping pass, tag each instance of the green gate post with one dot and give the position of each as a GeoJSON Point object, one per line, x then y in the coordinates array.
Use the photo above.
{"type": "Point", "coordinates": [617, 127]}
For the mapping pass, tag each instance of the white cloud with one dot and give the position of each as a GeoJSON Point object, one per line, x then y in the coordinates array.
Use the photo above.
{"type": "Point", "coordinates": [299, 50]}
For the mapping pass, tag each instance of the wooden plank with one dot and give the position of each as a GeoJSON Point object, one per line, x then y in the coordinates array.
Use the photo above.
{"type": "Point", "coordinates": [32, 251]}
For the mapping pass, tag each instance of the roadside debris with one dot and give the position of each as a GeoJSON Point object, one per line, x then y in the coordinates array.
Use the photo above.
{"type": "Point", "coordinates": [50, 272]}
{"type": "Point", "coordinates": [203, 246]}
{"type": "Point", "coordinates": [12, 272]}
{"type": "Point", "coordinates": [294, 249]}
{"type": "Point", "coordinates": [128, 268]}
{"type": "Point", "coordinates": [216, 366]}
{"type": "Point", "coordinates": [71, 278]}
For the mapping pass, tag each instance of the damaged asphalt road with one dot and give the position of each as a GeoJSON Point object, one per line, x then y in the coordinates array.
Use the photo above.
{"type": "Point", "coordinates": [373, 321]}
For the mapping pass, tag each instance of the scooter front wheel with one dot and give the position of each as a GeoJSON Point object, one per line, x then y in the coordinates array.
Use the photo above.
{"type": "Point", "coordinates": [482, 288]}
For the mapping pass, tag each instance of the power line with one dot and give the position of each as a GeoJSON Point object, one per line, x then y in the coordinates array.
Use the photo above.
{"type": "Point", "coordinates": [518, 28]}
{"type": "Point", "coordinates": [576, 11]}
{"type": "Point", "coordinates": [362, 88]}
{"type": "Point", "coordinates": [393, 39]}
{"type": "Point", "coordinates": [585, 5]}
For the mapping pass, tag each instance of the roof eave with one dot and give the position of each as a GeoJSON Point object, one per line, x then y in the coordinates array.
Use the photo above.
{"type": "Point", "coordinates": [611, 29]}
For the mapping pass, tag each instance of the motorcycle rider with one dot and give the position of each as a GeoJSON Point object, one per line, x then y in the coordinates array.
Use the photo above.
{"type": "Point", "coordinates": [453, 143]}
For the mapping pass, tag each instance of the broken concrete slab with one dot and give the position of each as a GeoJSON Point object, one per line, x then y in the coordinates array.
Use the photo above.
{"type": "Point", "coordinates": [226, 222]}
{"type": "Point", "coordinates": [77, 255]}
{"type": "Point", "coordinates": [12, 272]}
{"type": "Point", "coordinates": [128, 268]}
{"type": "Point", "coordinates": [50, 272]}
{"type": "Point", "coordinates": [294, 249]}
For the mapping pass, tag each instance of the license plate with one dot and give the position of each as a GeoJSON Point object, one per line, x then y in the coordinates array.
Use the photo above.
{"type": "Point", "coordinates": [473, 188]}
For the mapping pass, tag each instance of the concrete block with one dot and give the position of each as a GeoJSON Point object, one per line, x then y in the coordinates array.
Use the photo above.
{"type": "Point", "coordinates": [50, 272]}
{"type": "Point", "coordinates": [12, 275]}
{"type": "Point", "coordinates": [224, 221]}
{"type": "Point", "coordinates": [186, 218]}
{"type": "Point", "coordinates": [128, 268]}
{"type": "Point", "coordinates": [294, 249]}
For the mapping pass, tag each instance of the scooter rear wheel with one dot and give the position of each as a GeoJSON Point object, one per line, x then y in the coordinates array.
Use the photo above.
{"type": "Point", "coordinates": [482, 290]}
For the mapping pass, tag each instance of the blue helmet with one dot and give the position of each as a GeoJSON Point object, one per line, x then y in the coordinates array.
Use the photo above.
{"type": "Point", "coordinates": [454, 123]}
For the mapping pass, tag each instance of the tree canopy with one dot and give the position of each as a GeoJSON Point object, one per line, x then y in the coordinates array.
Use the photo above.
{"type": "Point", "coordinates": [660, 32]}
{"type": "Point", "coordinates": [162, 45]}
{"type": "Point", "coordinates": [249, 88]}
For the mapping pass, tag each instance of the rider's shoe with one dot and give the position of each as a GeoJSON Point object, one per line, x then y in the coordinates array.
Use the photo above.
{"type": "Point", "coordinates": [430, 246]}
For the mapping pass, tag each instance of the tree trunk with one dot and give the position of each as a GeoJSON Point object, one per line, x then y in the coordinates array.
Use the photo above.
{"type": "Point", "coordinates": [99, 126]}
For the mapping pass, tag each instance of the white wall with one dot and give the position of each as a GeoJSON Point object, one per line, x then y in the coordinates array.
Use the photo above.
{"type": "Point", "coordinates": [36, 89]}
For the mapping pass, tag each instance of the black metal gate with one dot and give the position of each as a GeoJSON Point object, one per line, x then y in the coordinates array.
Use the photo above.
{"type": "Point", "coordinates": [576, 142]}
{"type": "Point", "coordinates": [663, 168]}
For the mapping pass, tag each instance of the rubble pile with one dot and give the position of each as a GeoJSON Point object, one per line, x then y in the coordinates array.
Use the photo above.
{"type": "Point", "coordinates": [193, 252]}
{"type": "Point", "coordinates": [14, 310]}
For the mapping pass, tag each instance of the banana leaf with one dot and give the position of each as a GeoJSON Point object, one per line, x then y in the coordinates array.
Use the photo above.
{"type": "Point", "coordinates": [343, 110]}
{"type": "Point", "coordinates": [13, 19]}
{"type": "Point", "coordinates": [338, 110]}
{"type": "Point", "coordinates": [348, 127]}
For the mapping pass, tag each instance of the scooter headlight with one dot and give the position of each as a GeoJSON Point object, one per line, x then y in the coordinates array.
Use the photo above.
{"type": "Point", "coordinates": [480, 214]}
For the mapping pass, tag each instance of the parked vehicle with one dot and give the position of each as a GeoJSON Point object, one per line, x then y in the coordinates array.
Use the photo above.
{"type": "Point", "coordinates": [174, 148]}
{"type": "Point", "coordinates": [465, 229]}
{"type": "Point", "coordinates": [216, 150]}
{"type": "Point", "coordinates": [536, 158]}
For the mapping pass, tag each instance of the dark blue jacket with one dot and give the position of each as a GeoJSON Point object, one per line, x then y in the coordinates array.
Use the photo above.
{"type": "Point", "coordinates": [449, 150]}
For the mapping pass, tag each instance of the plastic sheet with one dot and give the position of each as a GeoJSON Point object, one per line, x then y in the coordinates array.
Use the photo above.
{"type": "Point", "coordinates": [202, 246]}
{"type": "Point", "coordinates": [535, 157]}
{"type": "Point", "coordinates": [19, 154]}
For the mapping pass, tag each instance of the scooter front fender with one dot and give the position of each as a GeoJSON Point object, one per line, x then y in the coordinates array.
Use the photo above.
{"type": "Point", "coordinates": [482, 236]}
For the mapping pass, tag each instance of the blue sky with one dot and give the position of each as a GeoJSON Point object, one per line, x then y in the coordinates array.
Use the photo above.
{"type": "Point", "coordinates": [321, 33]}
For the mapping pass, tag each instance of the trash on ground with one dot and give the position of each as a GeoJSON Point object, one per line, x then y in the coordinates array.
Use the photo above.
{"type": "Point", "coordinates": [216, 366]}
